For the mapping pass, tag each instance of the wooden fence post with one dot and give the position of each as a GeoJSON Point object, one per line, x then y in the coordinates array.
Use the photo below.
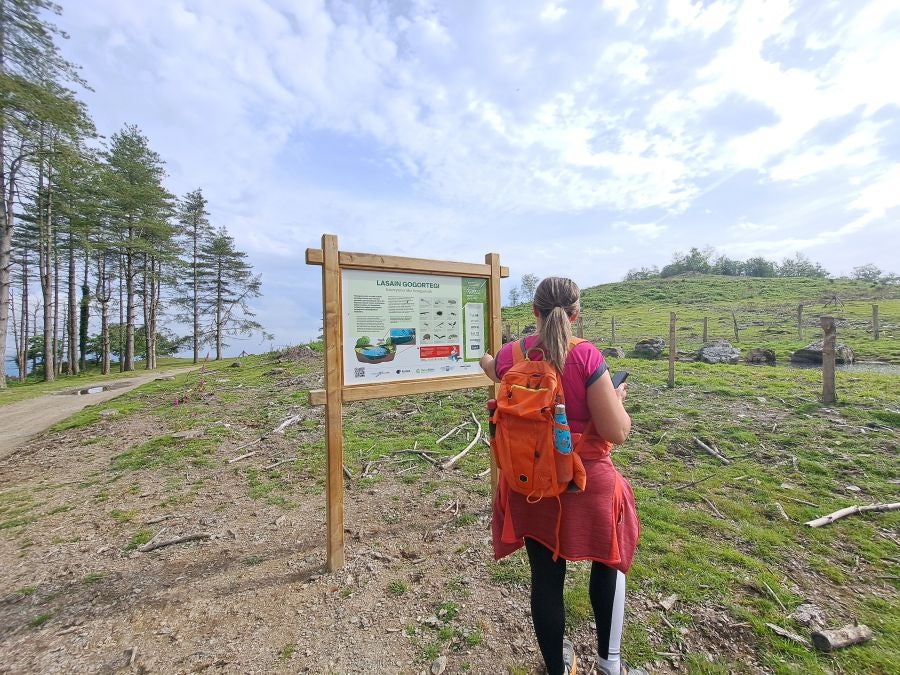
{"type": "Point", "coordinates": [672, 350]}
{"type": "Point", "coordinates": [613, 324]}
{"type": "Point", "coordinates": [737, 337]}
{"type": "Point", "coordinates": [705, 329]}
{"type": "Point", "coordinates": [875, 327]}
{"type": "Point", "coordinates": [579, 326]}
{"type": "Point", "coordinates": [828, 329]}
{"type": "Point", "coordinates": [800, 321]}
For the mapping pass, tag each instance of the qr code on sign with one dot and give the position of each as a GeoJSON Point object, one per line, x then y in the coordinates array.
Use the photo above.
{"type": "Point", "coordinates": [359, 372]}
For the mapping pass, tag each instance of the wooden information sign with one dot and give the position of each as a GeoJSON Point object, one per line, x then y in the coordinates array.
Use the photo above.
{"type": "Point", "coordinates": [396, 326]}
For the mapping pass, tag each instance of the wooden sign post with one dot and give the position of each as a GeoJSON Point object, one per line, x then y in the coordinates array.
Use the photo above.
{"type": "Point", "coordinates": [673, 350]}
{"type": "Point", "coordinates": [829, 334]}
{"type": "Point", "coordinates": [435, 346]}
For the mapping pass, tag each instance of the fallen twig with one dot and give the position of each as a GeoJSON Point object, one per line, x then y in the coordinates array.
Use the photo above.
{"type": "Point", "coordinates": [699, 480]}
{"type": "Point", "coordinates": [347, 472]}
{"type": "Point", "coordinates": [150, 546]}
{"type": "Point", "coordinates": [777, 599]}
{"type": "Point", "coordinates": [454, 430]}
{"type": "Point", "coordinates": [715, 453]}
{"type": "Point", "coordinates": [240, 457]}
{"type": "Point", "coordinates": [453, 460]}
{"type": "Point", "coordinates": [788, 634]}
{"type": "Point", "coordinates": [280, 462]}
{"type": "Point", "coordinates": [285, 424]}
{"type": "Point", "coordinates": [713, 507]}
{"type": "Point", "coordinates": [484, 473]}
{"type": "Point", "coordinates": [801, 501]}
{"type": "Point", "coordinates": [153, 538]}
{"type": "Point", "coordinates": [850, 510]}
{"type": "Point", "coordinates": [781, 511]}
{"type": "Point", "coordinates": [159, 519]}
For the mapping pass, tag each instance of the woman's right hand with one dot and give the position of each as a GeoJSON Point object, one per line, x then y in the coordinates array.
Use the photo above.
{"type": "Point", "coordinates": [622, 391]}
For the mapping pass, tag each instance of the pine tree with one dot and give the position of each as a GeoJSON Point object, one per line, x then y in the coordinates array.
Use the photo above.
{"type": "Point", "coordinates": [140, 207]}
{"type": "Point", "coordinates": [226, 285]}
{"type": "Point", "coordinates": [195, 234]}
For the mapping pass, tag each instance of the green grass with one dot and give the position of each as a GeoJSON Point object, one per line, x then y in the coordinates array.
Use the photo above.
{"type": "Point", "coordinates": [287, 652]}
{"type": "Point", "coordinates": [397, 588]}
{"type": "Point", "coordinates": [40, 620]}
{"type": "Point", "coordinates": [139, 538]}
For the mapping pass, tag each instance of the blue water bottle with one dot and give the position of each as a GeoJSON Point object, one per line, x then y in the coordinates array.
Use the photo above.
{"type": "Point", "coordinates": [562, 443]}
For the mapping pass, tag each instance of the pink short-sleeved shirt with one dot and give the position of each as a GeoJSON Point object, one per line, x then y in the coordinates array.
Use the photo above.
{"type": "Point", "coordinates": [584, 366]}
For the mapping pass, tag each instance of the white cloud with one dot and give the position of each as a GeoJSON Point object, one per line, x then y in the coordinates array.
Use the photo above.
{"type": "Point", "coordinates": [745, 227]}
{"type": "Point", "coordinates": [552, 12]}
{"type": "Point", "coordinates": [646, 230]}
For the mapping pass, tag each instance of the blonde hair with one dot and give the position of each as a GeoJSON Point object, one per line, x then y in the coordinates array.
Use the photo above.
{"type": "Point", "coordinates": [556, 300]}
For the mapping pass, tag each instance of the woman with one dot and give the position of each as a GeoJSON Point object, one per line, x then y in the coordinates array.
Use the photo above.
{"type": "Point", "coordinates": [599, 524]}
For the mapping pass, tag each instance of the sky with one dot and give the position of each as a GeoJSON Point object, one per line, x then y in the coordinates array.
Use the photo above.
{"type": "Point", "coordinates": [576, 138]}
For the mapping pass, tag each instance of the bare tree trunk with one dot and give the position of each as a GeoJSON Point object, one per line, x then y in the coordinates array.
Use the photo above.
{"type": "Point", "coordinates": [57, 347]}
{"type": "Point", "coordinates": [130, 311]}
{"type": "Point", "coordinates": [45, 262]}
{"type": "Point", "coordinates": [22, 355]}
{"type": "Point", "coordinates": [72, 366]}
{"type": "Point", "coordinates": [104, 295]}
{"type": "Point", "coordinates": [121, 317]}
{"type": "Point", "coordinates": [84, 317]}
{"type": "Point", "coordinates": [219, 316]}
{"type": "Point", "coordinates": [145, 307]}
{"type": "Point", "coordinates": [6, 229]}
{"type": "Point", "coordinates": [153, 314]}
{"type": "Point", "coordinates": [196, 300]}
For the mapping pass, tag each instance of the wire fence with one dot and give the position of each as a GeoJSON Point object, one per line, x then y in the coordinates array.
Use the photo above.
{"type": "Point", "coordinates": [871, 330]}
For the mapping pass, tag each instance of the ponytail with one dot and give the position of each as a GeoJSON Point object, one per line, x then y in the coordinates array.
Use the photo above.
{"type": "Point", "coordinates": [556, 300]}
{"type": "Point", "coordinates": [556, 331]}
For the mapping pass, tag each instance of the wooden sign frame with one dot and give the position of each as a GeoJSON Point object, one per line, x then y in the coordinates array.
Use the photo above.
{"type": "Point", "coordinates": [333, 261]}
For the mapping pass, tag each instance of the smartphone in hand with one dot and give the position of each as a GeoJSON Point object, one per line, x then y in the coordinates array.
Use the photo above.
{"type": "Point", "coordinates": [619, 378]}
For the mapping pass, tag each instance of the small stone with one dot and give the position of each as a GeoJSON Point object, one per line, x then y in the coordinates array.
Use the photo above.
{"type": "Point", "coordinates": [108, 413]}
{"type": "Point", "coordinates": [650, 347]}
{"type": "Point", "coordinates": [190, 433]}
{"type": "Point", "coordinates": [853, 488]}
{"type": "Point", "coordinates": [235, 364]}
{"type": "Point", "coordinates": [668, 603]}
{"type": "Point", "coordinates": [439, 665]}
{"type": "Point", "coordinates": [809, 615]}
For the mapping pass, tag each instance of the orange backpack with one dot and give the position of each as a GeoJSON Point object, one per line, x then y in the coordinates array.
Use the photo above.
{"type": "Point", "coordinates": [523, 440]}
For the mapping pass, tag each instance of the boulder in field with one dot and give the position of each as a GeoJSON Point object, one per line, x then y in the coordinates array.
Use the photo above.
{"type": "Point", "coordinates": [650, 347]}
{"type": "Point", "coordinates": [613, 352]}
{"type": "Point", "coordinates": [719, 351]}
{"type": "Point", "coordinates": [760, 355]}
{"type": "Point", "coordinates": [812, 354]}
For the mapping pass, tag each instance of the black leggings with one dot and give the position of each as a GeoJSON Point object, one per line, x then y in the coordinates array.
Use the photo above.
{"type": "Point", "coordinates": [548, 611]}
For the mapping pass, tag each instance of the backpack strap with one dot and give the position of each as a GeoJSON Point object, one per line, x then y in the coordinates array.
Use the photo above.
{"type": "Point", "coordinates": [518, 351]}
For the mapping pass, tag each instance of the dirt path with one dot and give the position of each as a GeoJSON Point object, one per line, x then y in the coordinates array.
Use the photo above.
{"type": "Point", "coordinates": [20, 421]}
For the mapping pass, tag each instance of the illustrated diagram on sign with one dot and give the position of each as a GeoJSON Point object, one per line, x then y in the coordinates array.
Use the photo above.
{"type": "Point", "coordinates": [439, 321]}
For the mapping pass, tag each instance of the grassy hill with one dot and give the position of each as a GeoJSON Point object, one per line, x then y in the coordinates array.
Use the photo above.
{"type": "Point", "coordinates": [727, 540]}
{"type": "Point", "coordinates": [765, 309]}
